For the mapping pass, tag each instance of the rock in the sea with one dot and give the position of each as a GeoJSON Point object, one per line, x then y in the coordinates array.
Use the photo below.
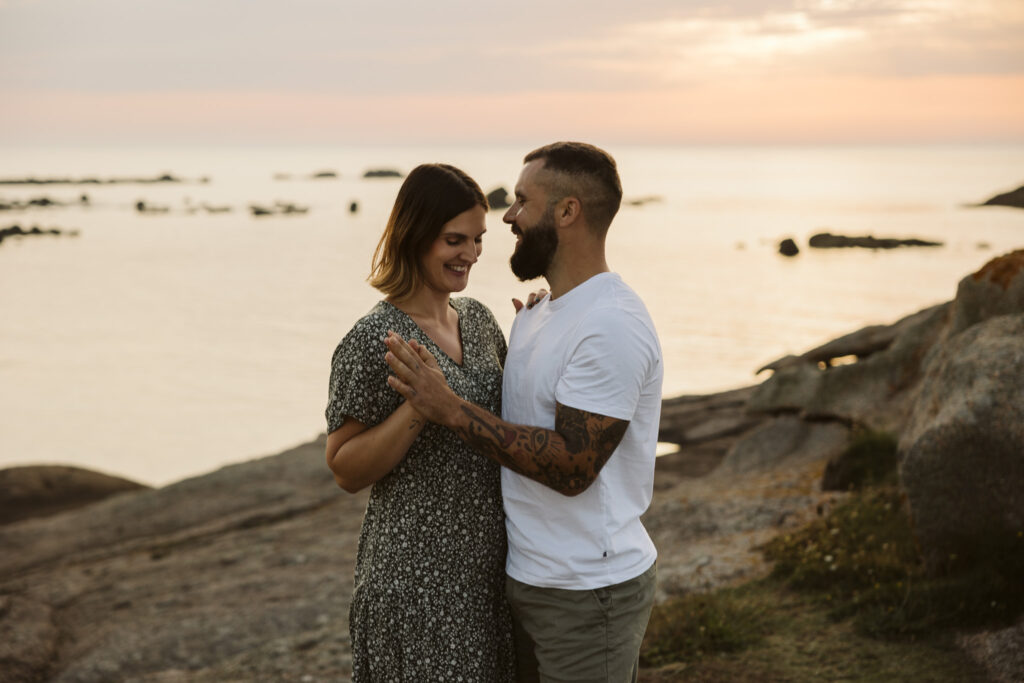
{"type": "Point", "coordinates": [143, 207]}
{"type": "Point", "coordinates": [641, 201]}
{"type": "Point", "coordinates": [382, 173]}
{"type": "Point", "coordinates": [1014, 198]}
{"type": "Point", "coordinates": [787, 247]}
{"type": "Point", "coordinates": [163, 178]}
{"type": "Point", "coordinates": [42, 490]}
{"type": "Point", "coordinates": [827, 240]}
{"type": "Point", "coordinates": [278, 209]}
{"type": "Point", "coordinates": [962, 450]}
{"type": "Point", "coordinates": [34, 231]}
{"type": "Point", "coordinates": [498, 198]}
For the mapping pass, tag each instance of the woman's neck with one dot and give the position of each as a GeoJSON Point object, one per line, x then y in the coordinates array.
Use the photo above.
{"type": "Point", "coordinates": [425, 305]}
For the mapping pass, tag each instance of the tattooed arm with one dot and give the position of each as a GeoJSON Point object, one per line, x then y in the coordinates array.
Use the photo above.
{"type": "Point", "coordinates": [567, 458]}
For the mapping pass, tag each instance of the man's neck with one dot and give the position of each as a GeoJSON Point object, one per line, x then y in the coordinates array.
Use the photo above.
{"type": "Point", "coordinates": [564, 277]}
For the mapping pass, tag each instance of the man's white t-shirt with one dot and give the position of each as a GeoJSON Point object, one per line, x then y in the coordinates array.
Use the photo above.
{"type": "Point", "coordinates": [595, 349]}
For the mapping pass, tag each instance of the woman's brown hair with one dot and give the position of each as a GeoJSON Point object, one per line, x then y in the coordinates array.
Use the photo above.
{"type": "Point", "coordinates": [431, 195]}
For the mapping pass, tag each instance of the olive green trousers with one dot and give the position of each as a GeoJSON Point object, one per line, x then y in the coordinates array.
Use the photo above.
{"type": "Point", "coordinates": [580, 635]}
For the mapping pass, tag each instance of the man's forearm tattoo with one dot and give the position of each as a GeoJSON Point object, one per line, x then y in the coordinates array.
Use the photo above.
{"type": "Point", "coordinates": [566, 459]}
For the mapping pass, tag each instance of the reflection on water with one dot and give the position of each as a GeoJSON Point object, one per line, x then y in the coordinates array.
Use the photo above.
{"type": "Point", "coordinates": [160, 346]}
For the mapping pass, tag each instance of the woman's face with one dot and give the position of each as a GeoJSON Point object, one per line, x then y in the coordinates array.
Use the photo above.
{"type": "Point", "coordinates": [447, 262]}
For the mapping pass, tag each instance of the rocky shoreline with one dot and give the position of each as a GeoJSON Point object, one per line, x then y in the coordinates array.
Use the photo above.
{"type": "Point", "coordinates": [245, 573]}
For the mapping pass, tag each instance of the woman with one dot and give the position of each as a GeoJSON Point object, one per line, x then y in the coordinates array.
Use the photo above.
{"type": "Point", "coordinates": [428, 603]}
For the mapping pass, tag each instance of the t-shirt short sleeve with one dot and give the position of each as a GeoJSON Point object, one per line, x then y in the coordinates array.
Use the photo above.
{"type": "Point", "coordinates": [358, 385]}
{"type": "Point", "coordinates": [608, 365]}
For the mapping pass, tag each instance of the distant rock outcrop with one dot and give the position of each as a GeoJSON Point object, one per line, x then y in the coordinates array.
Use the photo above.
{"type": "Point", "coordinates": [42, 202]}
{"type": "Point", "coordinates": [1014, 198]}
{"type": "Point", "coordinates": [826, 240]}
{"type": "Point", "coordinates": [164, 178]}
{"type": "Point", "coordinates": [43, 490]}
{"type": "Point", "coordinates": [278, 209]}
{"type": "Point", "coordinates": [16, 231]}
{"type": "Point", "coordinates": [382, 173]}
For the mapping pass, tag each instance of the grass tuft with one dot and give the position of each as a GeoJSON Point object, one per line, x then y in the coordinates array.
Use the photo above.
{"type": "Point", "coordinates": [870, 459]}
{"type": "Point", "coordinates": [863, 562]}
{"type": "Point", "coordinates": [695, 625]}
{"type": "Point", "coordinates": [849, 597]}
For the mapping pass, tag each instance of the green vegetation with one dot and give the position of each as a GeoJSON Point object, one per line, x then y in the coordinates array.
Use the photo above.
{"type": "Point", "coordinates": [869, 460]}
{"type": "Point", "coordinates": [848, 598]}
{"type": "Point", "coordinates": [726, 620]}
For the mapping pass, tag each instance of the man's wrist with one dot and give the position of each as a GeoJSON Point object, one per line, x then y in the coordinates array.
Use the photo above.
{"type": "Point", "coordinates": [453, 413]}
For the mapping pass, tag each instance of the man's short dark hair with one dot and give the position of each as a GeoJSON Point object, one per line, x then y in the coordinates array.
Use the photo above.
{"type": "Point", "coordinates": [585, 172]}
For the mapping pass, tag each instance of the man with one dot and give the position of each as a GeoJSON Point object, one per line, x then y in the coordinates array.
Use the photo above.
{"type": "Point", "coordinates": [581, 403]}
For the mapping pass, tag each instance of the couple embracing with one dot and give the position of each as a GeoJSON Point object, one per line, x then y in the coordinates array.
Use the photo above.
{"type": "Point", "coordinates": [502, 539]}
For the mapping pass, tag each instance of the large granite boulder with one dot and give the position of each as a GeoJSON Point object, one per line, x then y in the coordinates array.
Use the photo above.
{"type": "Point", "coordinates": [962, 448]}
{"type": "Point", "coordinates": [996, 289]}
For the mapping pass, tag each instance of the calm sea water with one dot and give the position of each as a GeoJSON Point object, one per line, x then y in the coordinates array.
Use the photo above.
{"type": "Point", "coordinates": [162, 346]}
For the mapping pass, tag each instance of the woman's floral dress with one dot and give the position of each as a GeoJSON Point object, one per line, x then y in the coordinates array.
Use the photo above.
{"type": "Point", "coordinates": [429, 601]}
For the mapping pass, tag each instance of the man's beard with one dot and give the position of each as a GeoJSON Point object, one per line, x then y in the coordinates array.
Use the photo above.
{"type": "Point", "coordinates": [536, 248]}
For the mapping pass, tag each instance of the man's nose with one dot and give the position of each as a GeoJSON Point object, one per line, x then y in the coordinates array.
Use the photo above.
{"type": "Point", "coordinates": [510, 215]}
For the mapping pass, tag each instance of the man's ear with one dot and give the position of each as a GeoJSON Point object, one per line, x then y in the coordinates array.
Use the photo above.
{"type": "Point", "coordinates": [568, 211]}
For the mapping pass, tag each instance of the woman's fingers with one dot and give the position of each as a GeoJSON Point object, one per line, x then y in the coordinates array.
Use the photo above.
{"type": "Point", "coordinates": [398, 385]}
{"type": "Point", "coordinates": [425, 356]}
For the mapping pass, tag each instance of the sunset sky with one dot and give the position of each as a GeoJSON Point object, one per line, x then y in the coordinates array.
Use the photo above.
{"type": "Point", "coordinates": [646, 71]}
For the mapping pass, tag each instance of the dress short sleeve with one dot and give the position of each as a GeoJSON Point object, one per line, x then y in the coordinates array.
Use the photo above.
{"type": "Point", "coordinates": [358, 385]}
{"type": "Point", "coordinates": [492, 331]}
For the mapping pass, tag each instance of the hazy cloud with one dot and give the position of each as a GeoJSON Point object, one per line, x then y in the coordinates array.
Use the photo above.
{"type": "Point", "coordinates": [466, 47]}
